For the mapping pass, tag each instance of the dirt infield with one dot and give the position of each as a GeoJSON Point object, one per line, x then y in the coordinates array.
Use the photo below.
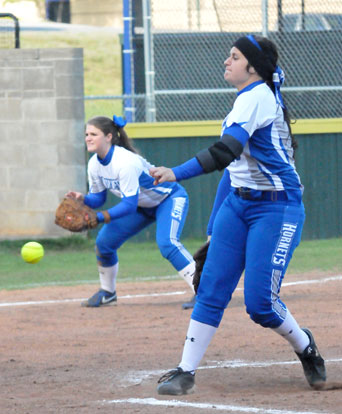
{"type": "Point", "coordinates": [57, 357]}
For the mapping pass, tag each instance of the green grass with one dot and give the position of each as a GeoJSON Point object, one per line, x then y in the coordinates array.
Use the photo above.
{"type": "Point", "coordinates": [102, 64]}
{"type": "Point", "coordinates": [321, 255]}
{"type": "Point", "coordinates": [71, 261]}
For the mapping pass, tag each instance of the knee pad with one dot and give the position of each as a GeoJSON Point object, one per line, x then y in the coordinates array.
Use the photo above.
{"type": "Point", "coordinates": [105, 256]}
{"type": "Point", "coordinates": [167, 249]}
{"type": "Point", "coordinates": [258, 318]}
{"type": "Point", "coordinates": [269, 314]}
{"type": "Point", "coordinates": [266, 318]}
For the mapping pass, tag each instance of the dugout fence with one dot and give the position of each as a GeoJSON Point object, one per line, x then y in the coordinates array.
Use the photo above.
{"type": "Point", "coordinates": [9, 31]}
{"type": "Point", "coordinates": [182, 45]}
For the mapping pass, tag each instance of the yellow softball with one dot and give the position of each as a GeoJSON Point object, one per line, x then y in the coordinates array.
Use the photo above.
{"type": "Point", "coordinates": [32, 252]}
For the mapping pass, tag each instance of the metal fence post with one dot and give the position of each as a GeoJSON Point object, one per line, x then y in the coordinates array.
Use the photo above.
{"type": "Point", "coordinates": [149, 63]}
{"type": "Point", "coordinates": [128, 61]}
{"type": "Point", "coordinates": [264, 10]}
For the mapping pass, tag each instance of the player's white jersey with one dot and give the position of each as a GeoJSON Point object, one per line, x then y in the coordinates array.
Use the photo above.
{"type": "Point", "coordinates": [126, 174]}
{"type": "Point", "coordinates": [266, 162]}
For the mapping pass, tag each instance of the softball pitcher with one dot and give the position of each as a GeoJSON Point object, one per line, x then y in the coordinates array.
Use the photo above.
{"type": "Point", "coordinates": [259, 222]}
{"type": "Point", "coordinates": [116, 167]}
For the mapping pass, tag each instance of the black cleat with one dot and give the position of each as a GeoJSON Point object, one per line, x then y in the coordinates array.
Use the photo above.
{"type": "Point", "coordinates": [190, 304]}
{"type": "Point", "coordinates": [313, 363]}
{"type": "Point", "coordinates": [176, 382]}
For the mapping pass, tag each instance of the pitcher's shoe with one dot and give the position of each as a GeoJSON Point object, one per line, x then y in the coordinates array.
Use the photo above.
{"type": "Point", "coordinates": [313, 363]}
{"type": "Point", "coordinates": [190, 304]}
{"type": "Point", "coordinates": [176, 382]}
{"type": "Point", "coordinates": [101, 298]}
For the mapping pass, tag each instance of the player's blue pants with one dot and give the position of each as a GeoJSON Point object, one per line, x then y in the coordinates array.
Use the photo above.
{"type": "Point", "coordinates": [169, 216]}
{"type": "Point", "coordinates": [258, 237]}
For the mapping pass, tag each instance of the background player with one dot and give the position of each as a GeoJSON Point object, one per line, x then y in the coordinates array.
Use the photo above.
{"type": "Point", "coordinates": [259, 224]}
{"type": "Point", "coordinates": [116, 167]}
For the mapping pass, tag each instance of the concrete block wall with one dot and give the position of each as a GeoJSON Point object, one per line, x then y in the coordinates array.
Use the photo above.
{"type": "Point", "coordinates": [41, 138]}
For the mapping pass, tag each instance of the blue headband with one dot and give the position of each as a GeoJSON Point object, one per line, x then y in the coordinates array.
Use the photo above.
{"type": "Point", "coordinates": [119, 121]}
{"type": "Point", "coordinates": [253, 52]}
{"type": "Point", "coordinates": [253, 40]}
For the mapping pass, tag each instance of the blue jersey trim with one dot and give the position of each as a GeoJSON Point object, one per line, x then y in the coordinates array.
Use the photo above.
{"type": "Point", "coordinates": [146, 181]}
{"type": "Point", "coordinates": [236, 131]}
{"type": "Point", "coordinates": [250, 86]}
{"type": "Point", "coordinates": [107, 159]}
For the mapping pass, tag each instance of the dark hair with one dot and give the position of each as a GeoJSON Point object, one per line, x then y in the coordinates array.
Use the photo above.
{"type": "Point", "coordinates": [269, 50]}
{"type": "Point", "coordinates": [119, 136]}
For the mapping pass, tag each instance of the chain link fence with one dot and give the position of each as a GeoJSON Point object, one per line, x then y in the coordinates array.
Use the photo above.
{"type": "Point", "coordinates": [192, 38]}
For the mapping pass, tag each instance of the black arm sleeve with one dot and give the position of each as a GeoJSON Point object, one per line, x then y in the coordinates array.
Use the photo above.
{"type": "Point", "coordinates": [220, 154]}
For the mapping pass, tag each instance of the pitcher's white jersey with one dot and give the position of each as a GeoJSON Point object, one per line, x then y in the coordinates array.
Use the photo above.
{"type": "Point", "coordinates": [266, 162]}
{"type": "Point", "coordinates": [126, 174]}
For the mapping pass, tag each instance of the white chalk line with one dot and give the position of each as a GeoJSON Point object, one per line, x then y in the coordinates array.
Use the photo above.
{"type": "Point", "coordinates": [63, 301]}
{"type": "Point", "coordinates": [59, 301]}
{"type": "Point", "coordinates": [206, 406]}
{"type": "Point", "coordinates": [313, 281]}
{"type": "Point", "coordinates": [137, 377]}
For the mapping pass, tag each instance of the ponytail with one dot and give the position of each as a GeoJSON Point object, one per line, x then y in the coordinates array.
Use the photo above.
{"type": "Point", "coordinates": [270, 52]}
{"type": "Point", "coordinates": [123, 141]}
{"type": "Point", "coordinates": [115, 127]}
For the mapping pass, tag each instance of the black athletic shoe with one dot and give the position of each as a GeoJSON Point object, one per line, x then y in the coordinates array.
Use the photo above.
{"type": "Point", "coordinates": [101, 298]}
{"type": "Point", "coordinates": [313, 363]}
{"type": "Point", "coordinates": [190, 304]}
{"type": "Point", "coordinates": [176, 382]}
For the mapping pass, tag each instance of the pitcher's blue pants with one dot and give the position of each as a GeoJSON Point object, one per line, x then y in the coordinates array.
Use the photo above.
{"type": "Point", "coordinates": [257, 236]}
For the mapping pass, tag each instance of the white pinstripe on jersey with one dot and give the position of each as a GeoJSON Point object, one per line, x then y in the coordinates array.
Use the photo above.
{"type": "Point", "coordinates": [267, 160]}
